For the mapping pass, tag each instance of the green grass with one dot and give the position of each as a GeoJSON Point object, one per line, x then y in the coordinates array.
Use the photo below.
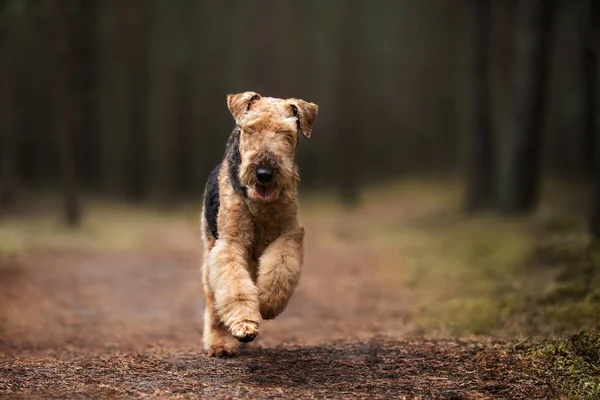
{"type": "Point", "coordinates": [107, 226]}
{"type": "Point", "coordinates": [486, 274]}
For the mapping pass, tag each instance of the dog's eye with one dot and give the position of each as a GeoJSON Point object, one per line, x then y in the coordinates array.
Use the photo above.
{"type": "Point", "coordinates": [248, 131]}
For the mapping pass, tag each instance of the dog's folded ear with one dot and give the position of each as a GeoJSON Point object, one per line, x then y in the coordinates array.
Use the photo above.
{"type": "Point", "coordinates": [305, 114]}
{"type": "Point", "coordinates": [240, 103]}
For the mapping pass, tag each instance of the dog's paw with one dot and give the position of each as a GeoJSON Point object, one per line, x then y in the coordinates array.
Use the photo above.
{"type": "Point", "coordinates": [223, 350]}
{"type": "Point", "coordinates": [245, 331]}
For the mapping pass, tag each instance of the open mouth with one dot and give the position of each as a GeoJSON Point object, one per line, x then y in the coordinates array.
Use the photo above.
{"type": "Point", "coordinates": [264, 192]}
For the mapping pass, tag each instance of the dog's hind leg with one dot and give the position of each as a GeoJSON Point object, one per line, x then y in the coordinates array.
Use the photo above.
{"type": "Point", "coordinates": [218, 341]}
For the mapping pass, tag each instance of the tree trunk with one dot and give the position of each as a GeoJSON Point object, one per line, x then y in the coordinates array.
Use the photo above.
{"type": "Point", "coordinates": [14, 27]}
{"type": "Point", "coordinates": [87, 150]}
{"type": "Point", "coordinates": [7, 117]}
{"type": "Point", "coordinates": [115, 84]}
{"type": "Point", "coordinates": [202, 98]}
{"type": "Point", "coordinates": [479, 150]}
{"type": "Point", "coordinates": [263, 42]}
{"type": "Point", "coordinates": [347, 133]}
{"type": "Point", "coordinates": [65, 110]}
{"type": "Point", "coordinates": [519, 161]}
{"type": "Point", "coordinates": [33, 115]}
{"type": "Point", "coordinates": [590, 68]}
{"type": "Point", "coordinates": [593, 107]}
{"type": "Point", "coordinates": [325, 36]}
{"type": "Point", "coordinates": [591, 81]}
{"type": "Point", "coordinates": [138, 178]}
{"type": "Point", "coordinates": [162, 101]}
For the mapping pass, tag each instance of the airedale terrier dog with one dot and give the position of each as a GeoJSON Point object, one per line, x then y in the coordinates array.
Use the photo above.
{"type": "Point", "coordinates": [253, 241]}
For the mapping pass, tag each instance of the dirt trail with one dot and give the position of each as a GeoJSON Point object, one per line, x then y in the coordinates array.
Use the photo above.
{"type": "Point", "coordinates": [128, 325]}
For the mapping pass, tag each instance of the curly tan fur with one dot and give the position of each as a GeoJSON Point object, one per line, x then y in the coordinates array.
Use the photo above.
{"type": "Point", "coordinates": [252, 265]}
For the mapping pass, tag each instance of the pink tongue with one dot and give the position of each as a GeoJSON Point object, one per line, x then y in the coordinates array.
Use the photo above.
{"type": "Point", "coordinates": [264, 192]}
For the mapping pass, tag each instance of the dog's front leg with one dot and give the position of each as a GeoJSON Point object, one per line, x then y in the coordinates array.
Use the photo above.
{"type": "Point", "coordinates": [236, 296]}
{"type": "Point", "coordinates": [279, 272]}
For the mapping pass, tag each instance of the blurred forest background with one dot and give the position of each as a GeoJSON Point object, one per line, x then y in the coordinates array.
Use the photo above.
{"type": "Point", "coordinates": [450, 185]}
{"type": "Point", "coordinates": [126, 98]}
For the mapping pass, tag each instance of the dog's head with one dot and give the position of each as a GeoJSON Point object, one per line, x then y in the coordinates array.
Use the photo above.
{"type": "Point", "coordinates": [270, 129]}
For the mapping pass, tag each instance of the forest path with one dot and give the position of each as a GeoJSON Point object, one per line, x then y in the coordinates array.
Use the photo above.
{"type": "Point", "coordinates": [128, 324]}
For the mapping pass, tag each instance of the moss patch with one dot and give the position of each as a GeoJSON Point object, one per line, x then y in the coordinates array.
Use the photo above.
{"type": "Point", "coordinates": [570, 367]}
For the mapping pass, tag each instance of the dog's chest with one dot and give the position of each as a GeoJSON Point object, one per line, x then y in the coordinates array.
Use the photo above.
{"type": "Point", "coordinates": [269, 222]}
{"type": "Point", "coordinates": [265, 233]}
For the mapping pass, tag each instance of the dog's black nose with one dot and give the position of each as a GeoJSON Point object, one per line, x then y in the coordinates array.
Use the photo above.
{"type": "Point", "coordinates": [264, 175]}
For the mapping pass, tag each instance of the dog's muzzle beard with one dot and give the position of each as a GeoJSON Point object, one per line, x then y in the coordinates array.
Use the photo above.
{"type": "Point", "coordinates": [261, 181]}
{"type": "Point", "coordinates": [267, 177]}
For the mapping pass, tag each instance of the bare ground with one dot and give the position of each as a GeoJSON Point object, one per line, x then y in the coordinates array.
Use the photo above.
{"type": "Point", "coordinates": [77, 324]}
